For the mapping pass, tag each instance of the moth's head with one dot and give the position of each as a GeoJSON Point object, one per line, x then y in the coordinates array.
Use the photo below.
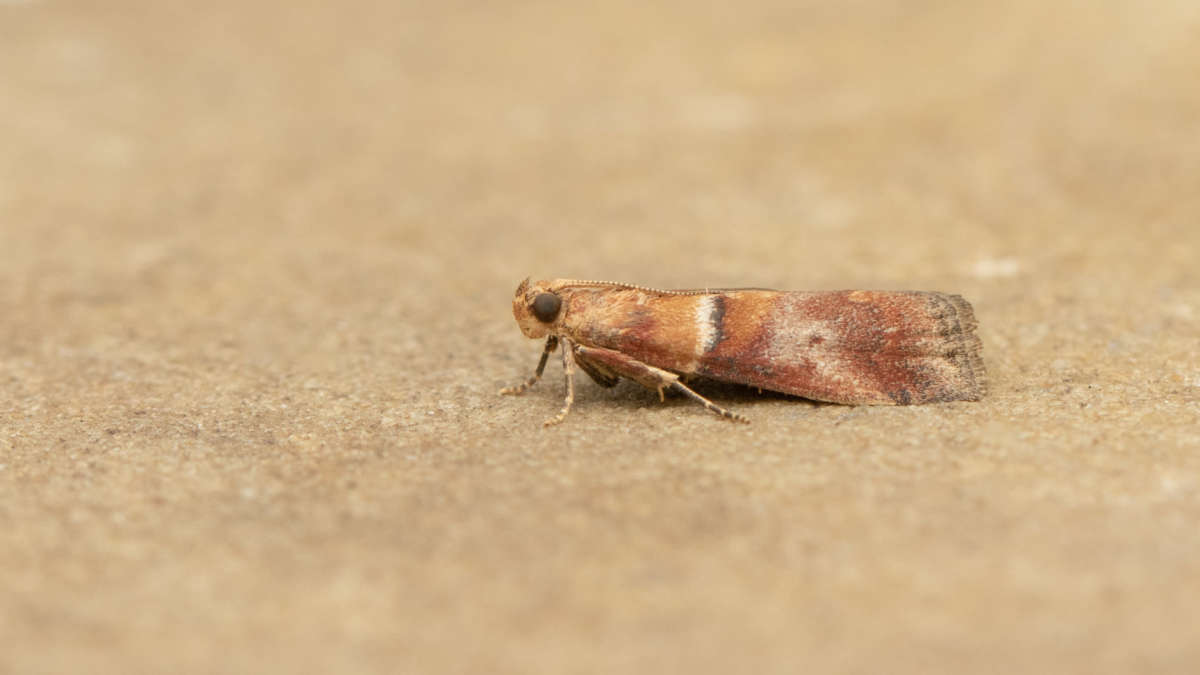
{"type": "Point", "coordinates": [537, 308]}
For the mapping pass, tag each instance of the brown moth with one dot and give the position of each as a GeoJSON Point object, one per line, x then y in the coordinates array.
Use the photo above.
{"type": "Point", "coordinates": [852, 347]}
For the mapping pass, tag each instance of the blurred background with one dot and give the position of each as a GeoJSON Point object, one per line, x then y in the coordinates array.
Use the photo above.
{"type": "Point", "coordinates": [256, 261]}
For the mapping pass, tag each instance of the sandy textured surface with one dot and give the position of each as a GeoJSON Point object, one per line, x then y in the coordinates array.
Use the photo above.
{"type": "Point", "coordinates": [255, 270]}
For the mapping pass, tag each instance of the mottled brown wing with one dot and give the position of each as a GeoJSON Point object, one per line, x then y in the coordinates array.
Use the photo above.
{"type": "Point", "coordinates": [864, 347]}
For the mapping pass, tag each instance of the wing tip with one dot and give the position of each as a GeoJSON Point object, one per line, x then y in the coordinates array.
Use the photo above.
{"type": "Point", "coordinates": [959, 326]}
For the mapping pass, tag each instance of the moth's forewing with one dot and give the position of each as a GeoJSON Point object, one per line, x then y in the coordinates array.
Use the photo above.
{"type": "Point", "coordinates": [862, 347]}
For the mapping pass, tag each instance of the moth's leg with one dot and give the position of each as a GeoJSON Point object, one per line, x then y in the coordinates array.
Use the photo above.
{"type": "Point", "coordinates": [551, 343]}
{"type": "Point", "coordinates": [650, 377]}
{"type": "Point", "coordinates": [568, 357]}
{"type": "Point", "coordinates": [708, 405]}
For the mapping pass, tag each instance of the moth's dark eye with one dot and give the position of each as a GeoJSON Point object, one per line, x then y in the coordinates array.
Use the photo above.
{"type": "Point", "coordinates": [546, 306]}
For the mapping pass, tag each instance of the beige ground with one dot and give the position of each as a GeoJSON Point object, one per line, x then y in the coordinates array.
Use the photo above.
{"type": "Point", "coordinates": [255, 273]}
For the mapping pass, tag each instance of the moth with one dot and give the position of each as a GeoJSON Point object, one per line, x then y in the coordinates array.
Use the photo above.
{"type": "Point", "coordinates": [853, 347]}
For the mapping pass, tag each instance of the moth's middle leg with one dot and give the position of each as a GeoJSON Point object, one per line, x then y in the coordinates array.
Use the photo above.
{"type": "Point", "coordinates": [568, 359]}
{"type": "Point", "coordinates": [650, 377]}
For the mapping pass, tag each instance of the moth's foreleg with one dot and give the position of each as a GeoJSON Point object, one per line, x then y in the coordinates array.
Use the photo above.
{"type": "Point", "coordinates": [650, 377]}
{"type": "Point", "coordinates": [568, 358]}
{"type": "Point", "coordinates": [551, 343]}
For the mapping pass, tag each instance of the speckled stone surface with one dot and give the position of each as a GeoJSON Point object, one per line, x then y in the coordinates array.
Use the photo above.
{"type": "Point", "coordinates": [256, 264]}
